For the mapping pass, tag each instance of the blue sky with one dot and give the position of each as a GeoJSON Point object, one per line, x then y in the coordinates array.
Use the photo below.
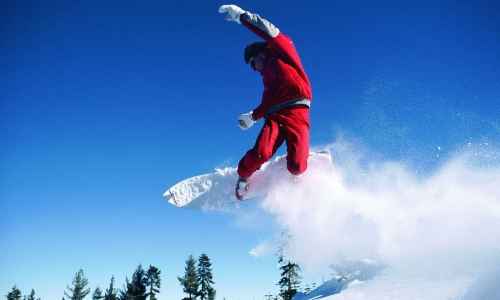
{"type": "Point", "coordinates": [105, 104]}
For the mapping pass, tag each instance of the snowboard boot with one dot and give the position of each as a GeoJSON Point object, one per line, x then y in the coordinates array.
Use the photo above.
{"type": "Point", "coordinates": [241, 188]}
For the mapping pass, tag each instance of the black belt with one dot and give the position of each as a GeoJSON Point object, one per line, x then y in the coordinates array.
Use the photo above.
{"type": "Point", "coordinates": [286, 104]}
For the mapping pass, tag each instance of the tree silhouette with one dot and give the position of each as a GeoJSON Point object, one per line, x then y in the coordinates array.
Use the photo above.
{"type": "Point", "coordinates": [111, 291]}
{"type": "Point", "coordinates": [14, 294]}
{"type": "Point", "coordinates": [290, 279]}
{"type": "Point", "coordinates": [189, 281]}
{"type": "Point", "coordinates": [97, 295]}
{"type": "Point", "coordinates": [153, 282]}
{"type": "Point", "coordinates": [79, 289]}
{"type": "Point", "coordinates": [205, 278]}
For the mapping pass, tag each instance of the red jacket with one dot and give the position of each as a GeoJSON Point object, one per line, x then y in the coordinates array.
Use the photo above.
{"type": "Point", "coordinates": [283, 76]}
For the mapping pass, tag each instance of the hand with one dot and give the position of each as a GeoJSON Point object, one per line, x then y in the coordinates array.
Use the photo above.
{"type": "Point", "coordinates": [233, 12]}
{"type": "Point", "coordinates": [246, 121]}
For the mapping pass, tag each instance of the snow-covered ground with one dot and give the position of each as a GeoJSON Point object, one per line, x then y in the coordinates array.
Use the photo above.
{"type": "Point", "coordinates": [346, 274]}
{"type": "Point", "coordinates": [394, 285]}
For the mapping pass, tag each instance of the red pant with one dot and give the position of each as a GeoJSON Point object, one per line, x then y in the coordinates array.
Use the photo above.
{"type": "Point", "coordinates": [290, 125]}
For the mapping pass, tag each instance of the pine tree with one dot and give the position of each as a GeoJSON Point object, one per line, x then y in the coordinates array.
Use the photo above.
{"type": "Point", "coordinates": [136, 289]}
{"type": "Point", "coordinates": [14, 294]}
{"type": "Point", "coordinates": [211, 294]}
{"type": "Point", "coordinates": [31, 296]}
{"type": "Point", "coordinates": [190, 280]}
{"type": "Point", "coordinates": [122, 294]}
{"type": "Point", "coordinates": [153, 282]}
{"type": "Point", "coordinates": [290, 279]}
{"type": "Point", "coordinates": [111, 292]}
{"type": "Point", "coordinates": [97, 295]}
{"type": "Point", "coordinates": [79, 289]}
{"type": "Point", "coordinates": [205, 278]}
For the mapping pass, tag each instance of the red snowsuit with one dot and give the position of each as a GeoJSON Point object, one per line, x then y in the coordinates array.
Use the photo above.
{"type": "Point", "coordinates": [285, 102]}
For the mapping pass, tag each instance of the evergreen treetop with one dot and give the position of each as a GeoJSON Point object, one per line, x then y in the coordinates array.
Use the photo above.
{"type": "Point", "coordinates": [189, 281]}
{"type": "Point", "coordinates": [79, 289]}
{"type": "Point", "coordinates": [153, 282]}
{"type": "Point", "coordinates": [97, 295]}
{"type": "Point", "coordinates": [111, 291]}
{"type": "Point", "coordinates": [14, 294]}
{"type": "Point", "coordinates": [31, 296]}
{"type": "Point", "coordinates": [136, 288]}
{"type": "Point", "coordinates": [205, 278]}
{"type": "Point", "coordinates": [290, 279]}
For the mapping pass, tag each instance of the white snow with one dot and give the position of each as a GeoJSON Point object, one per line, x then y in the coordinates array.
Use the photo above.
{"type": "Point", "coordinates": [431, 237]}
{"type": "Point", "coordinates": [215, 191]}
{"type": "Point", "coordinates": [262, 249]}
{"type": "Point", "coordinates": [437, 236]}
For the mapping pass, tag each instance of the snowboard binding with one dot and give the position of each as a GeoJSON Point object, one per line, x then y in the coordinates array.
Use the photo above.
{"type": "Point", "coordinates": [241, 188]}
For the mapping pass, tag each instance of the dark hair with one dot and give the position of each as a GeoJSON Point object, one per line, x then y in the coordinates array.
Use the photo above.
{"type": "Point", "coordinates": [253, 50]}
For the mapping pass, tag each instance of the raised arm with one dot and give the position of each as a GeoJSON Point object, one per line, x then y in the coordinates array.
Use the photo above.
{"type": "Point", "coordinates": [260, 26]}
{"type": "Point", "coordinates": [267, 31]}
{"type": "Point", "coordinates": [281, 44]}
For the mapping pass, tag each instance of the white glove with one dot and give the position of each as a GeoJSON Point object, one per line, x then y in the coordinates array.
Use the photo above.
{"type": "Point", "coordinates": [233, 12]}
{"type": "Point", "coordinates": [246, 121]}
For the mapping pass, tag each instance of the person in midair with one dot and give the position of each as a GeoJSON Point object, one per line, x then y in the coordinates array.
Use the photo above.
{"type": "Point", "coordinates": [285, 101]}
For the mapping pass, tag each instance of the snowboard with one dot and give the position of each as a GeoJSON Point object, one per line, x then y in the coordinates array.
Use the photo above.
{"type": "Point", "coordinates": [215, 190]}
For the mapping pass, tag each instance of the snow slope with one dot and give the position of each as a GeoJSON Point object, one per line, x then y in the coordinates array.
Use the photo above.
{"type": "Point", "coordinates": [346, 274]}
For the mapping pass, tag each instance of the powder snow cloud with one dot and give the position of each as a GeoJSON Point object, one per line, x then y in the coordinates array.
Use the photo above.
{"type": "Point", "coordinates": [442, 226]}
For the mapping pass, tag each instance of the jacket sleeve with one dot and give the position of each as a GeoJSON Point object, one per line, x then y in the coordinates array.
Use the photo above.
{"type": "Point", "coordinates": [260, 26]}
{"type": "Point", "coordinates": [261, 110]}
{"type": "Point", "coordinates": [274, 38]}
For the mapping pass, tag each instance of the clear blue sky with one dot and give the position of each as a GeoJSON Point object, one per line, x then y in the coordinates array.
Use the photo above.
{"type": "Point", "coordinates": [104, 104]}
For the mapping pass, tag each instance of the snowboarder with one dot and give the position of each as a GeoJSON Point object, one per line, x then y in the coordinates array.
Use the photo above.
{"type": "Point", "coordinates": [285, 101]}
